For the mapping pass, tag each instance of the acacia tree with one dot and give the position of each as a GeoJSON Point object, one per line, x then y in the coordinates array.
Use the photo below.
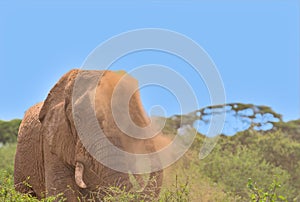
{"type": "Point", "coordinates": [239, 117]}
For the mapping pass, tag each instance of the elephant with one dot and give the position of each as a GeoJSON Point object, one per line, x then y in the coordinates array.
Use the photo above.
{"type": "Point", "coordinates": [52, 158]}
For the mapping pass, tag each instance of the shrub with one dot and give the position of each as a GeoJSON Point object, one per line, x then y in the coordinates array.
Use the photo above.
{"type": "Point", "coordinates": [233, 169]}
{"type": "Point", "coordinates": [9, 194]}
{"type": "Point", "coordinates": [7, 154]}
{"type": "Point", "coordinates": [269, 195]}
{"type": "Point", "coordinates": [9, 130]}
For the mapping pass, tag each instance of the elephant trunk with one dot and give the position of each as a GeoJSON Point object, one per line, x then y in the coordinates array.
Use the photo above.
{"type": "Point", "coordinates": [79, 174]}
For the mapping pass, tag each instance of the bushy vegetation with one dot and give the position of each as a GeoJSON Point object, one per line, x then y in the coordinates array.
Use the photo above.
{"type": "Point", "coordinates": [263, 158]}
{"type": "Point", "coordinates": [249, 166]}
{"type": "Point", "coordinates": [7, 154]}
{"type": "Point", "coordinates": [8, 193]}
{"type": "Point", "coordinates": [261, 195]}
{"type": "Point", "coordinates": [9, 131]}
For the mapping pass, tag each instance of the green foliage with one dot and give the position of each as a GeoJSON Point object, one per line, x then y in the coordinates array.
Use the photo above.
{"type": "Point", "coordinates": [9, 131]}
{"type": "Point", "coordinates": [178, 192]}
{"type": "Point", "coordinates": [111, 194]}
{"type": "Point", "coordinates": [267, 158]}
{"type": "Point", "coordinates": [116, 194]}
{"type": "Point", "coordinates": [9, 194]}
{"type": "Point", "coordinates": [232, 169]}
{"type": "Point", "coordinates": [291, 129]}
{"type": "Point", "coordinates": [7, 154]}
{"type": "Point", "coordinates": [279, 151]}
{"type": "Point", "coordinates": [269, 195]}
{"type": "Point", "coordinates": [247, 116]}
{"type": "Point", "coordinates": [260, 156]}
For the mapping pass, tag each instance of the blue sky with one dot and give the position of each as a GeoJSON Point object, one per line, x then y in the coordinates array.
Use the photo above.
{"type": "Point", "coordinates": [254, 44]}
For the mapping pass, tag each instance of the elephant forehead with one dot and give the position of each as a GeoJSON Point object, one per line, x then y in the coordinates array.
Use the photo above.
{"type": "Point", "coordinates": [120, 80]}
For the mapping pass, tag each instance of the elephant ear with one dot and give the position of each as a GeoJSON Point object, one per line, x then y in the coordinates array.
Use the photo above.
{"type": "Point", "coordinates": [56, 127]}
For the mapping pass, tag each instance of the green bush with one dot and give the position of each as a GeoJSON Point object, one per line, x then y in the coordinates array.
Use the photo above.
{"type": "Point", "coordinates": [178, 192]}
{"type": "Point", "coordinates": [7, 154]}
{"type": "Point", "coordinates": [222, 176]}
{"type": "Point", "coordinates": [234, 169]}
{"type": "Point", "coordinates": [269, 195]}
{"type": "Point", "coordinates": [9, 131]}
{"type": "Point", "coordinates": [9, 194]}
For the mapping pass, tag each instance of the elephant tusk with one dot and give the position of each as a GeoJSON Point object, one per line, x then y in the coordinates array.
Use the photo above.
{"type": "Point", "coordinates": [79, 174]}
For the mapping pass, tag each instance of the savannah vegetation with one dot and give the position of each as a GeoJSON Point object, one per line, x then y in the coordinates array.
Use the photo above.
{"type": "Point", "coordinates": [251, 165]}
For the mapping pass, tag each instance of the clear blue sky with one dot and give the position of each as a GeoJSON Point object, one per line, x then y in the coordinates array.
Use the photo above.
{"type": "Point", "coordinates": [254, 44]}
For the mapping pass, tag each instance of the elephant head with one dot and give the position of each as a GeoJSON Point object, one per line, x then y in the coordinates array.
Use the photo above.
{"type": "Point", "coordinates": [63, 113]}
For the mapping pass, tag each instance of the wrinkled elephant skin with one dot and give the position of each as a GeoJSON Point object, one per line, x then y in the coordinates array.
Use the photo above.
{"type": "Point", "coordinates": [51, 157]}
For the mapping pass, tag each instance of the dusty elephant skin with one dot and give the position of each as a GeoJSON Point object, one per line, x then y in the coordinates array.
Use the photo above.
{"type": "Point", "coordinates": [52, 159]}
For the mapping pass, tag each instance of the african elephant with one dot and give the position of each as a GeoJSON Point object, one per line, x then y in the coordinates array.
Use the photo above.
{"type": "Point", "coordinates": [51, 156]}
